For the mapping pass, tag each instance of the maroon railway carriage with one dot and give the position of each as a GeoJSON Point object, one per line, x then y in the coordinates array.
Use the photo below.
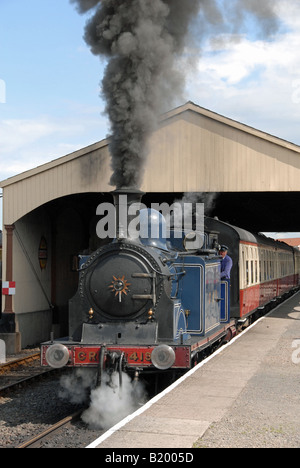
{"type": "Point", "coordinates": [264, 270]}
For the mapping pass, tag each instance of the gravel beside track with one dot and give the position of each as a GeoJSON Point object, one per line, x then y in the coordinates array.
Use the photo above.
{"type": "Point", "coordinates": [29, 411]}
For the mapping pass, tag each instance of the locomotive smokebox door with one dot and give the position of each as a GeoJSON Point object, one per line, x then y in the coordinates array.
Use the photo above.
{"type": "Point", "coordinates": [121, 285]}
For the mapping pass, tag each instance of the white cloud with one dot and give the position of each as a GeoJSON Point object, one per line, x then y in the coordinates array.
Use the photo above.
{"type": "Point", "coordinates": [14, 134]}
{"type": "Point", "coordinates": [233, 63]}
{"type": "Point", "coordinates": [2, 91]}
{"type": "Point", "coordinates": [23, 143]}
{"type": "Point", "coordinates": [255, 81]}
{"type": "Point", "coordinates": [28, 143]}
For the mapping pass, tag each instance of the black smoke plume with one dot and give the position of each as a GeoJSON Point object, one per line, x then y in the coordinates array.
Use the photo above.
{"type": "Point", "coordinates": [143, 41]}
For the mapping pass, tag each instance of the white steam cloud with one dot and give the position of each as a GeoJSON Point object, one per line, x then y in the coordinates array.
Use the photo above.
{"type": "Point", "coordinates": [109, 403]}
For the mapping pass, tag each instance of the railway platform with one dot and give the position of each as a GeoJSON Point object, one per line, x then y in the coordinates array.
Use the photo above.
{"type": "Point", "coordinates": [245, 395]}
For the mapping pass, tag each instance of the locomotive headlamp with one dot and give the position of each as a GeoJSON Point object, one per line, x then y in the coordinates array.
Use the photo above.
{"type": "Point", "coordinates": [57, 356]}
{"type": "Point", "coordinates": [163, 357]}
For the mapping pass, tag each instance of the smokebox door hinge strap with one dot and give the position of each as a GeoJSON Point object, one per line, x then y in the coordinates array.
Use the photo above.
{"type": "Point", "coordinates": [146, 296]}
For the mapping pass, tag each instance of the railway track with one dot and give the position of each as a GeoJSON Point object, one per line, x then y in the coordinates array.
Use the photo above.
{"type": "Point", "coordinates": [30, 408]}
{"type": "Point", "coordinates": [22, 361]}
{"type": "Point", "coordinates": [21, 371]}
{"type": "Point", "coordinates": [41, 439]}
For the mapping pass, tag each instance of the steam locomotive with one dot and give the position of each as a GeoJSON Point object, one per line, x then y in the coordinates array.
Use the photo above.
{"type": "Point", "coordinates": [156, 304]}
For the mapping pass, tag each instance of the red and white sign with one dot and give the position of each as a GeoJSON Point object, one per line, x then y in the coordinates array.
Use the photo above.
{"type": "Point", "coordinates": [9, 288]}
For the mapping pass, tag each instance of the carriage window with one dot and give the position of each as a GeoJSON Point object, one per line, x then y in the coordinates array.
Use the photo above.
{"type": "Point", "coordinates": [284, 265]}
{"type": "Point", "coordinates": [247, 273]}
{"type": "Point", "coordinates": [271, 266]}
{"type": "Point", "coordinates": [291, 266]}
{"type": "Point", "coordinates": [260, 271]}
{"type": "Point", "coordinates": [267, 266]}
{"type": "Point", "coordinates": [243, 267]}
{"type": "Point", "coordinates": [262, 266]}
{"type": "Point", "coordinates": [270, 270]}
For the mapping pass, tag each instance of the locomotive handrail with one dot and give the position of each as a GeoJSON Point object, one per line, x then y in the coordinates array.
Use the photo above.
{"type": "Point", "coordinates": [181, 273]}
{"type": "Point", "coordinates": [142, 275]}
{"type": "Point", "coordinates": [198, 252]}
{"type": "Point", "coordinates": [142, 296]}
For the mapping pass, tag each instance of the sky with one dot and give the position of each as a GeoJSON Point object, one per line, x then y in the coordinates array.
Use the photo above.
{"type": "Point", "coordinates": [50, 102]}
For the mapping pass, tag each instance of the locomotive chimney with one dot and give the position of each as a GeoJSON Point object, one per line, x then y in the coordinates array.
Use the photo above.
{"type": "Point", "coordinates": [128, 202]}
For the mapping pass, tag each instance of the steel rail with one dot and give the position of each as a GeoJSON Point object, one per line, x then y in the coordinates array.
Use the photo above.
{"type": "Point", "coordinates": [51, 429]}
{"type": "Point", "coordinates": [18, 362]}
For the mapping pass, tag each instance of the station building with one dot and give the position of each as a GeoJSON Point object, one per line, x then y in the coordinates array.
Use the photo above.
{"type": "Point", "coordinates": [250, 178]}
